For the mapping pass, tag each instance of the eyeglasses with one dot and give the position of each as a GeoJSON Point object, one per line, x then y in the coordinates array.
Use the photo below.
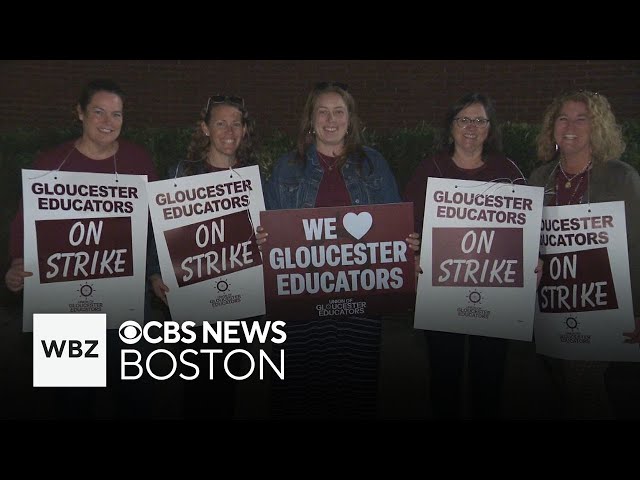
{"type": "Point", "coordinates": [464, 122]}
{"type": "Point", "coordinates": [324, 85]}
{"type": "Point", "coordinates": [224, 99]}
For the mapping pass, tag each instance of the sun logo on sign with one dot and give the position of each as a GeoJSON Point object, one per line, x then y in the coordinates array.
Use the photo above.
{"type": "Point", "coordinates": [86, 290]}
{"type": "Point", "coordinates": [475, 297]}
{"type": "Point", "coordinates": [222, 286]}
{"type": "Point", "coordinates": [572, 323]}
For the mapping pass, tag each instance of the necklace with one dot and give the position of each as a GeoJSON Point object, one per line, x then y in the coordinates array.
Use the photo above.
{"type": "Point", "coordinates": [579, 174]}
{"type": "Point", "coordinates": [323, 159]}
{"type": "Point", "coordinates": [573, 194]}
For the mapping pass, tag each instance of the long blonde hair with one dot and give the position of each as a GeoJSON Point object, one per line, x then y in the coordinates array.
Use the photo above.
{"type": "Point", "coordinates": [606, 135]}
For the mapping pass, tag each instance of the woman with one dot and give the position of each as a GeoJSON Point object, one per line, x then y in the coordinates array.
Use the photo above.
{"type": "Point", "coordinates": [333, 364]}
{"type": "Point", "coordinates": [581, 143]}
{"type": "Point", "coordinates": [222, 139]}
{"type": "Point", "coordinates": [100, 109]}
{"type": "Point", "coordinates": [99, 149]}
{"type": "Point", "coordinates": [473, 152]}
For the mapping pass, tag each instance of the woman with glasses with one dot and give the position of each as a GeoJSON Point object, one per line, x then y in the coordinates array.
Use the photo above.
{"type": "Point", "coordinates": [222, 138]}
{"type": "Point", "coordinates": [580, 144]}
{"type": "Point", "coordinates": [473, 151]}
{"type": "Point", "coordinates": [333, 364]}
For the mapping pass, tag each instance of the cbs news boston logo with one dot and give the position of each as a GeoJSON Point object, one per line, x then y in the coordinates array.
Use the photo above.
{"type": "Point", "coordinates": [69, 350]}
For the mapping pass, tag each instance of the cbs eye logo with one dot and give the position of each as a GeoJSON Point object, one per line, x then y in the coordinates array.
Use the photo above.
{"type": "Point", "coordinates": [130, 332]}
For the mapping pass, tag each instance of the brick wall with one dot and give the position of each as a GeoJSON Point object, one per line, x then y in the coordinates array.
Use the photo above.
{"type": "Point", "coordinates": [390, 93]}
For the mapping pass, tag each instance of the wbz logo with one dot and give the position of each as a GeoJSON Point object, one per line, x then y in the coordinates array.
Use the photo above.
{"type": "Point", "coordinates": [69, 350]}
{"type": "Point", "coordinates": [74, 348]}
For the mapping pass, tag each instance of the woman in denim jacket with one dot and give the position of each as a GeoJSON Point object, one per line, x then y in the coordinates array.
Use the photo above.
{"type": "Point", "coordinates": [330, 165]}
{"type": "Point", "coordinates": [332, 364]}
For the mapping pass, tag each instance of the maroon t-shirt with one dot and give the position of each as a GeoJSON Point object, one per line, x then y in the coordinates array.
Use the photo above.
{"type": "Point", "coordinates": [212, 168]}
{"type": "Point", "coordinates": [332, 191]}
{"type": "Point", "coordinates": [497, 168]}
{"type": "Point", "coordinates": [130, 159]}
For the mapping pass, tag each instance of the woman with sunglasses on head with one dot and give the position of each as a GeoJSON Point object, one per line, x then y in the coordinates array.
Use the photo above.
{"type": "Point", "coordinates": [99, 149]}
{"type": "Point", "coordinates": [333, 364]}
{"type": "Point", "coordinates": [473, 152]}
{"type": "Point", "coordinates": [222, 138]}
{"type": "Point", "coordinates": [581, 143]}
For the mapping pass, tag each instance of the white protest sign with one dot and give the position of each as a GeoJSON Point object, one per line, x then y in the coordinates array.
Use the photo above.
{"type": "Point", "coordinates": [204, 231]}
{"type": "Point", "coordinates": [478, 255]}
{"type": "Point", "coordinates": [85, 240]}
{"type": "Point", "coordinates": [584, 299]}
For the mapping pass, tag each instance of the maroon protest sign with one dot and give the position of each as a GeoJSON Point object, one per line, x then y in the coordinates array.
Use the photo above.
{"type": "Point", "coordinates": [209, 249]}
{"type": "Point", "coordinates": [337, 261]}
{"type": "Point", "coordinates": [478, 257]}
{"type": "Point", "coordinates": [82, 249]}
{"type": "Point", "coordinates": [578, 281]}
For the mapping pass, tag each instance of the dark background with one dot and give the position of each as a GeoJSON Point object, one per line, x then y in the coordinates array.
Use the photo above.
{"type": "Point", "coordinates": [390, 93]}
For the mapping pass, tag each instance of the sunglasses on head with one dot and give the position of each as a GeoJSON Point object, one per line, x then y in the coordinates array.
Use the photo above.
{"type": "Point", "coordinates": [231, 99]}
{"type": "Point", "coordinates": [324, 85]}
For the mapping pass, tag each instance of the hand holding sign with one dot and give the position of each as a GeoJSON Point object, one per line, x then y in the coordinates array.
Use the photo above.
{"type": "Point", "coordinates": [538, 271]}
{"type": "Point", "coordinates": [261, 236]}
{"type": "Point", "coordinates": [159, 288]}
{"type": "Point", "coordinates": [633, 337]}
{"type": "Point", "coordinates": [15, 276]}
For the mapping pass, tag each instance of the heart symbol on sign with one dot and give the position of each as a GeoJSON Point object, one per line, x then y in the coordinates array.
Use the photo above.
{"type": "Point", "coordinates": [357, 225]}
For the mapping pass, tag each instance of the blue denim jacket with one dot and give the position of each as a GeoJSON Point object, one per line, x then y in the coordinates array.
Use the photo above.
{"type": "Point", "coordinates": [294, 186]}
